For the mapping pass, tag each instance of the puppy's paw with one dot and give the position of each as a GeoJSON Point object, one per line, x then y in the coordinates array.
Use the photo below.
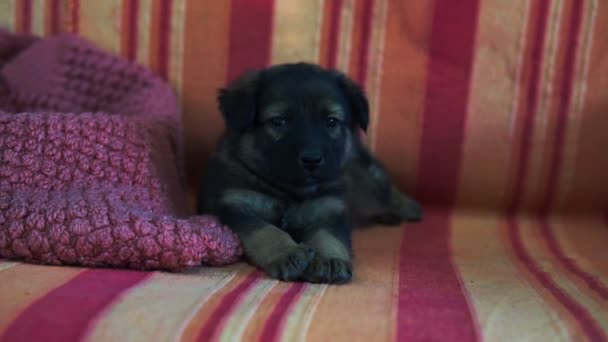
{"type": "Point", "coordinates": [291, 264]}
{"type": "Point", "coordinates": [328, 270]}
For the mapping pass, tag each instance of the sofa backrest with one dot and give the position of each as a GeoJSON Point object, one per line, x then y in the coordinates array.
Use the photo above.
{"type": "Point", "coordinates": [476, 103]}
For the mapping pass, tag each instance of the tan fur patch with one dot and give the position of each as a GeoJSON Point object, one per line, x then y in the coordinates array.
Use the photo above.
{"type": "Point", "coordinates": [328, 246]}
{"type": "Point", "coordinates": [251, 202]}
{"type": "Point", "coordinates": [266, 243]}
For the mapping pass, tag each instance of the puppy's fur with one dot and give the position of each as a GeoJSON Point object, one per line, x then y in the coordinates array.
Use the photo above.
{"type": "Point", "coordinates": [291, 176]}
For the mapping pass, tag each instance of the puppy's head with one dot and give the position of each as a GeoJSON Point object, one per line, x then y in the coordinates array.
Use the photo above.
{"type": "Point", "coordinates": [294, 122]}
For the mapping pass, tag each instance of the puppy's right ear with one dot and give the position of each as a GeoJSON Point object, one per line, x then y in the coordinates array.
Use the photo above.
{"type": "Point", "coordinates": [237, 101]}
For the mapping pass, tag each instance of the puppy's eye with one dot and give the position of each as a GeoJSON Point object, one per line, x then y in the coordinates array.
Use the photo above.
{"type": "Point", "coordinates": [278, 122]}
{"type": "Point", "coordinates": [331, 122]}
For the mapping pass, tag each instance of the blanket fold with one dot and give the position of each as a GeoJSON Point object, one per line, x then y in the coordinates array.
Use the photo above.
{"type": "Point", "coordinates": [91, 165]}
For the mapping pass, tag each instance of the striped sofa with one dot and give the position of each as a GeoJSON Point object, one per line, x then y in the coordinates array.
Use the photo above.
{"type": "Point", "coordinates": [493, 113]}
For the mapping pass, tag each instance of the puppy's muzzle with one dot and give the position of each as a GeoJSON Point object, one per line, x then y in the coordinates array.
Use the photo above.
{"type": "Point", "coordinates": [311, 160]}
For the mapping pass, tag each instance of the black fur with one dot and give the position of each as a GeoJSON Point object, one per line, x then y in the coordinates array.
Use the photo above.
{"type": "Point", "coordinates": [291, 176]}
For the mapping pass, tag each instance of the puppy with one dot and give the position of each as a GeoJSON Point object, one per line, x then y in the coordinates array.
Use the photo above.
{"type": "Point", "coordinates": [291, 176]}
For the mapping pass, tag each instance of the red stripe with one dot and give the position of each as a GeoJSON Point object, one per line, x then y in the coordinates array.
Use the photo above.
{"type": "Point", "coordinates": [133, 24]}
{"type": "Point", "coordinates": [569, 264]}
{"type": "Point", "coordinates": [226, 306]}
{"type": "Point", "coordinates": [565, 99]}
{"type": "Point", "coordinates": [447, 91]}
{"type": "Point", "coordinates": [55, 15]}
{"type": "Point", "coordinates": [75, 16]}
{"type": "Point", "coordinates": [164, 34]}
{"type": "Point", "coordinates": [334, 33]}
{"type": "Point", "coordinates": [26, 16]}
{"type": "Point", "coordinates": [66, 313]}
{"type": "Point", "coordinates": [532, 103]}
{"type": "Point", "coordinates": [578, 312]}
{"type": "Point", "coordinates": [582, 316]}
{"type": "Point", "coordinates": [366, 35]}
{"type": "Point", "coordinates": [281, 310]}
{"type": "Point", "coordinates": [250, 36]}
{"type": "Point", "coordinates": [557, 158]}
{"type": "Point", "coordinates": [431, 301]}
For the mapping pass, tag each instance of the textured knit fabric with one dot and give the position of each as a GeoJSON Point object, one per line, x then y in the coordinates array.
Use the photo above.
{"type": "Point", "coordinates": [94, 189]}
{"type": "Point", "coordinates": [493, 112]}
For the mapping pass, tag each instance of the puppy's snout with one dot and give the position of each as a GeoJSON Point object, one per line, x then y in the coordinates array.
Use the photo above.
{"type": "Point", "coordinates": [311, 159]}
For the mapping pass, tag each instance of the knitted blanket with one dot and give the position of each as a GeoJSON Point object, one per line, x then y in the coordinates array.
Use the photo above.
{"type": "Point", "coordinates": [91, 164]}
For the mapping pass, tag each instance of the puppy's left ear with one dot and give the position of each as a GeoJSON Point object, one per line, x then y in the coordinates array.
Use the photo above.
{"type": "Point", "coordinates": [237, 101]}
{"type": "Point", "coordinates": [356, 99]}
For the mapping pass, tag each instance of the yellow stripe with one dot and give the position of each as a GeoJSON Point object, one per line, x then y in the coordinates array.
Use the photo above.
{"type": "Point", "coordinates": [5, 265]}
{"type": "Point", "coordinates": [143, 32]}
{"type": "Point", "coordinates": [508, 309]}
{"type": "Point", "coordinates": [176, 53]}
{"type": "Point", "coordinates": [296, 31]}
{"type": "Point", "coordinates": [38, 17]}
{"type": "Point", "coordinates": [345, 35]}
{"type": "Point", "coordinates": [7, 17]}
{"type": "Point", "coordinates": [160, 307]}
{"type": "Point", "coordinates": [100, 22]}
{"type": "Point", "coordinates": [239, 318]}
{"type": "Point", "coordinates": [374, 71]}
{"type": "Point", "coordinates": [298, 321]}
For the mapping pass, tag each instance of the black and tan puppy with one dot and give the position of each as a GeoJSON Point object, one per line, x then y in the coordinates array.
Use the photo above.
{"type": "Point", "coordinates": [291, 176]}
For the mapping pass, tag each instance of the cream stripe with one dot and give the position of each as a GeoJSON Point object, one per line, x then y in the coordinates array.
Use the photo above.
{"type": "Point", "coordinates": [548, 73]}
{"type": "Point", "coordinates": [520, 68]}
{"type": "Point", "coordinates": [374, 75]}
{"type": "Point", "coordinates": [297, 31]}
{"type": "Point", "coordinates": [546, 107]}
{"type": "Point", "coordinates": [302, 314]}
{"type": "Point", "coordinates": [319, 26]}
{"type": "Point", "coordinates": [38, 16]}
{"type": "Point", "coordinates": [236, 324]}
{"type": "Point", "coordinates": [7, 17]}
{"type": "Point", "coordinates": [5, 265]}
{"type": "Point", "coordinates": [176, 54]}
{"type": "Point", "coordinates": [159, 308]}
{"type": "Point", "coordinates": [578, 101]}
{"type": "Point", "coordinates": [143, 32]}
{"type": "Point", "coordinates": [507, 307]}
{"type": "Point", "coordinates": [346, 35]}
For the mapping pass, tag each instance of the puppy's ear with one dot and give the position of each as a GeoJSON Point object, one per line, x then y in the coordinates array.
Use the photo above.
{"type": "Point", "coordinates": [356, 98]}
{"type": "Point", "coordinates": [237, 101]}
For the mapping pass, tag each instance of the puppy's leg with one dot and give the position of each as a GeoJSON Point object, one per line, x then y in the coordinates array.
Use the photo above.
{"type": "Point", "coordinates": [374, 198]}
{"type": "Point", "coordinates": [265, 245]}
{"type": "Point", "coordinates": [321, 224]}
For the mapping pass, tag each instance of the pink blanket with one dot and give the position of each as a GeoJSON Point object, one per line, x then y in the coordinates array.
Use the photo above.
{"type": "Point", "coordinates": [91, 164]}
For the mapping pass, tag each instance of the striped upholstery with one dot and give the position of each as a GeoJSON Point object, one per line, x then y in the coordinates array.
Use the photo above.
{"type": "Point", "coordinates": [492, 112]}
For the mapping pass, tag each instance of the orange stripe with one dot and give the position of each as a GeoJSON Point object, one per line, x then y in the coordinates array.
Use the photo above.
{"type": "Point", "coordinates": [22, 285]}
{"type": "Point", "coordinates": [398, 132]}
{"type": "Point", "coordinates": [204, 71]}
{"type": "Point", "coordinates": [484, 173]}
{"type": "Point", "coordinates": [370, 316]}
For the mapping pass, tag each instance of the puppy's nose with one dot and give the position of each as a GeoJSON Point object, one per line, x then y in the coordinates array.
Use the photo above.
{"type": "Point", "coordinates": [311, 159]}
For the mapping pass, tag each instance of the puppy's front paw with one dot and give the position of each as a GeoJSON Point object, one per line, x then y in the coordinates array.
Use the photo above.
{"type": "Point", "coordinates": [329, 270]}
{"type": "Point", "coordinates": [291, 264]}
